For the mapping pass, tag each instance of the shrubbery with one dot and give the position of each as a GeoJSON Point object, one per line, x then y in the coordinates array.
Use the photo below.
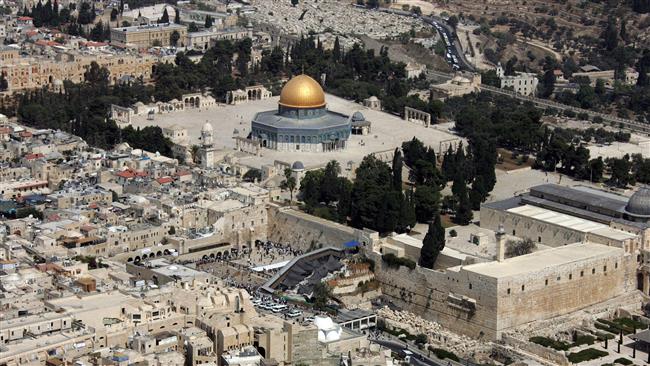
{"type": "Point", "coordinates": [394, 261]}
{"type": "Point", "coordinates": [586, 355]}
{"type": "Point", "coordinates": [444, 354]}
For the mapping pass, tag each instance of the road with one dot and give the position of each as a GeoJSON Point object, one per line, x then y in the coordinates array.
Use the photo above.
{"type": "Point", "coordinates": [445, 28]}
{"type": "Point", "coordinates": [456, 49]}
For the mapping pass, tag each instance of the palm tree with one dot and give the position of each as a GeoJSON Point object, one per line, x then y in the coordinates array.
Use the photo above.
{"type": "Point", "coordinates": [289, 183]}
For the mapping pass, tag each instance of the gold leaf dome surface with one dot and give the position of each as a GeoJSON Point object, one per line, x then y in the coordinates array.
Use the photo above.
{"type": "Point", "coordinates": [302, 92]}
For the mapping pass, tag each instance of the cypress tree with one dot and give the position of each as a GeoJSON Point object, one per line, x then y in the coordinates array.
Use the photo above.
{"type": "Point", "coordinates": [336, 51]}
{"type": "Point", "coordinates": [433, 243]}
{"type": "Point", "coordinates": [165, 17]}
{"type": "Point", "coordinates": [397, 170]}
{"type": "Point", "coordinates": [464, 214]}
{"type": "Point", "coordinates": [177, 17]}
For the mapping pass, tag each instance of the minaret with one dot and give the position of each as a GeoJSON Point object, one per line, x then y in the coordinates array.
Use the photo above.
{"type": "Point", "coordinates": [501, 243]}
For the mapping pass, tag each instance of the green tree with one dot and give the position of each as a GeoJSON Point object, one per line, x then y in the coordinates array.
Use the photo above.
{"type": "Point", "coordinates": [252, 175]}
{"type": "Point", "coordinates": [4, 84]}
{"type": "Point", "coordinates": [610, 35]}
{"type": "Point", "coordinates": [427, 202]}
{"type": "Point", "coordinates": [397, 170]}
{"type": "Point", "coordinates": [329, 184]}
{"type": "Point", "coordinates": [548, 84]}
{"type": "Point", "coordinates": [453, 21]}
{"type": "Point", "coordinates": [177, 16]}
{"type": "Point", "coordinates": [464, 214]}
{"type": "Point", "coordinates": [310, 187]}
{"type": "Point", "coordinates": [192, 27]}
{"type": "Point", "coordinates": [208, 22]}
{"type": "Point", "coordinates": [336, 50]}
{"type": "Point", "coordinates": [433, 243]}
{"type": "Point", "coordinates": [165, 17]}
{"type": "Point", "coordinates": [173, 38]}
{"type": "Point", "coordinates": [96, 75]}
{"type": "Point", "coordinates": [289, 183]}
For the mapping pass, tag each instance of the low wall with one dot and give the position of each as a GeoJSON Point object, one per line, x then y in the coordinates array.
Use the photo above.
{"type": "Point", "coordinates": [549, 355]}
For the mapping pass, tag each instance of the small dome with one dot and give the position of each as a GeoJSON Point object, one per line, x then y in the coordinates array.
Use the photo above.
{"type": "Point", "coordinates": [639, 203]}
{"type": "Point", "coordinates": [207, 127]}
{"type": "Point", "coordinates": [298, 166]}
{"type": "Point", "coordinates": [302, 92]}
{"type": "Point", "coordinates": [358, 116]}
{"type": "Point", "coordinates": [373, 99]}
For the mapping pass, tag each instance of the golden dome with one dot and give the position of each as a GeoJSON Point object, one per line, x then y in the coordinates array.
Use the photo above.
{"type": "Point", "coordinates": [302, 92]}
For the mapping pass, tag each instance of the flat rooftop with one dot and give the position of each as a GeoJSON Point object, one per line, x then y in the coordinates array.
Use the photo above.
{"type": "Point", "coordinates": [539, 261]}
{"type": "Point", "coordinates": [570, 222]}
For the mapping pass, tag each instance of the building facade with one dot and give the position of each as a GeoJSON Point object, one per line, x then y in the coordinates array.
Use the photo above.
{"type": "Point", "coordinates": [302, 121]}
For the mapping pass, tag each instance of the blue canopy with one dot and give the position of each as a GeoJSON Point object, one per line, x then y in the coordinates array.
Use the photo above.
{"type": "Point", "coordinates": [351, 244]}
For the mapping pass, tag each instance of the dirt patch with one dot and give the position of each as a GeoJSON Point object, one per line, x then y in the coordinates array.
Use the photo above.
{"type": "Point", "coordinates": [406, 53]}
{"type": "Point", "coordinates": [507, 160]}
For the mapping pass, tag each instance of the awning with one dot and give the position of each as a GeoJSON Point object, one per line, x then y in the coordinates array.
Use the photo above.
{"type": "Point", "coordinates": [351, 244]}
{"type": "Point", "coordinates": [641, 336]}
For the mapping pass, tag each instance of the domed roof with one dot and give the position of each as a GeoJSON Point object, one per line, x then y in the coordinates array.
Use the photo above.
{"type": "Point", "coordinates": [302, 92]}
{"type": "Point", "coordinates": [298, 165]}
{"type": "Point", "coordinates": [639, 203]}
{"type": "Point", "coordinates": [207, 126]}
{"type": "Point", "coordinates": [358, 116]}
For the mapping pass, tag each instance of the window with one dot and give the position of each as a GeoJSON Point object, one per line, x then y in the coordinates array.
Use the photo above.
{"type": "Point", "coordinates": [582, 273]}
{"type": "Point", "coordinates": [508, 291]}
{"type": "Point", "coordinates": [616, 265]}
{"type": "Point", "coordinates": [604, 268]}
{"type": "Point", "coordinates": [514, 233]}
{"type": "Point", "coordinates": [470, 286]}
{"type": "Point", "coordinates": [570, 276]}
{"type": "Point", "coordinates": [593, 271]}
{"type": "Point", "coordinates": [522, 287]}
{"type": "Point", "coordinates": [539, 239]}
{"type": "Point", "coordinates": [546, 282]}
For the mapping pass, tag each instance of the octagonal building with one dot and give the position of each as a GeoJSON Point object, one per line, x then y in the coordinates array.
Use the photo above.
{"type": "Point", "coordinates": [302, 121]}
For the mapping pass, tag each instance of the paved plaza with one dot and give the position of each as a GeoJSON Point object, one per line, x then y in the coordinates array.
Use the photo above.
{"type": "Point", "coordinates": [388, 131]}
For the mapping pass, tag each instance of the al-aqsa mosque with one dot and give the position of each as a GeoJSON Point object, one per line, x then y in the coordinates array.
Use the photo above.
{"type": "Point", "coordinates": [302, 121]}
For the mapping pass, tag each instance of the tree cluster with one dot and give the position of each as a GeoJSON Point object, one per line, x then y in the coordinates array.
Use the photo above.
{"type": "Point", "coordinates": [83, 109]}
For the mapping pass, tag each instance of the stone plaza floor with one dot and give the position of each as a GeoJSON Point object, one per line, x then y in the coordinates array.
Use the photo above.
{"type": "Point", "coordinates": [388, 132]}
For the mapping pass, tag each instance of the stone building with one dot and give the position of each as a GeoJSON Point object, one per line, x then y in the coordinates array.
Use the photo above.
{"type": "Point", "coordinates": [524, 83]}
{"type": "Point", "coordinates": [459, 85]}
{"type": "Point", "coordinates": [302, 122]}
{"type": "Point", "coordinates": [484, 300]}
{"type": "Point", "coordinates": [38, 72]}
{"type": "Point", "coordinates": [146, 36]}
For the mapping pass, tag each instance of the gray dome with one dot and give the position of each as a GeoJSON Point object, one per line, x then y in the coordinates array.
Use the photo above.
{"type": "Point", "coordinates": [639, 203]}
{"type": "Point", "coordinates": [298, 166]}
{"type": "Point", "coordinates": [358, 116]}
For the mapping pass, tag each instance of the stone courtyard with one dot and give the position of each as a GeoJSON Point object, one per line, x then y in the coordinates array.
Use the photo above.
{"type": "Point", "coordinates": [388, 132]}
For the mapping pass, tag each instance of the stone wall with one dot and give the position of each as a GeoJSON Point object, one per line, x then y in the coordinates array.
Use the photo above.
{"type": "Point", "coordinates": [563, 289]}
{"type": "Point", "coordinates": [307, 232]}
{"type": "Point", "coordinates": [426, 292]}
{"type": "Point", "coordinates": [483, 307]}
{"type": "Point", "coordinates": [551, 356]}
